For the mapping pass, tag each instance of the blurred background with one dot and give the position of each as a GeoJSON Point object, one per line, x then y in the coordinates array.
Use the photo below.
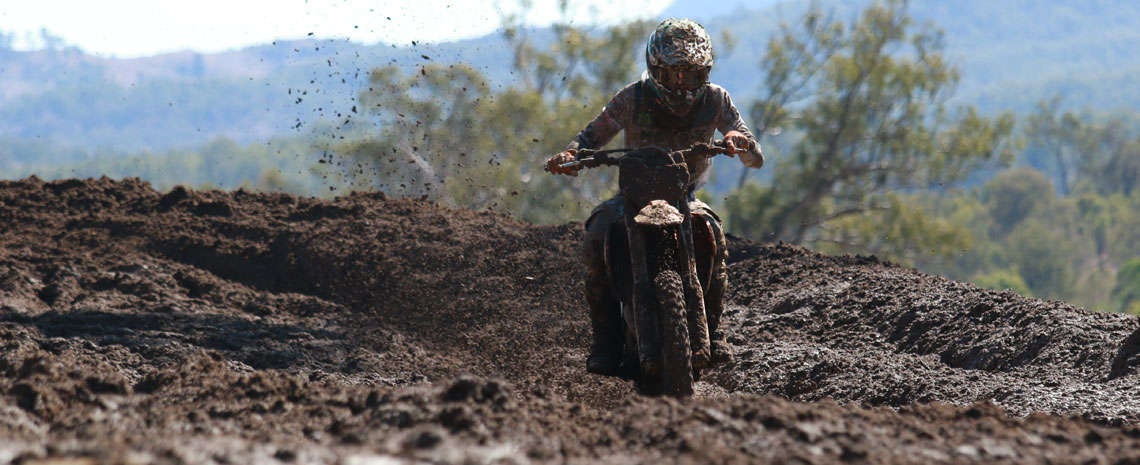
{"type": "Point", "coordinates": [991, 142]}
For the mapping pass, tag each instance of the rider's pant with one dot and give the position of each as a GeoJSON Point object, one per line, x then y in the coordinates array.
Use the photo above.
{"type": "Point", "coordinates": [605, 312]}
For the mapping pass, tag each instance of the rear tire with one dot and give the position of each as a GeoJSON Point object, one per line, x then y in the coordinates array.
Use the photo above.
{"type": "Point", "coordinates": [673, 327]}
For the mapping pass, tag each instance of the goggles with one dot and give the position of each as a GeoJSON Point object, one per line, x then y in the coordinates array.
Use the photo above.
{"type": "Point", "coordinates": [680, 79]}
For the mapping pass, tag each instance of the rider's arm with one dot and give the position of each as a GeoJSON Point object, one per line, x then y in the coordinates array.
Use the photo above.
{"type": "Point", "coordinates": [610, 122]}
{"type": "Point", "coordinates": [730, 120]}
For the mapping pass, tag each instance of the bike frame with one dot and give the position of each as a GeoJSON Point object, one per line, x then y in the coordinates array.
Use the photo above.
{"type": "Point", "coordinates": [656, 238]}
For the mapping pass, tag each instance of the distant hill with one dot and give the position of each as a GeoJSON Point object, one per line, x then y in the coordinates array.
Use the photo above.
{"type": "Point", "coordinates": [703, 11]}
{"type": "Point", "coordinates": [181, 99]}
{"type": "Point", "coordinates": [1013, 53]}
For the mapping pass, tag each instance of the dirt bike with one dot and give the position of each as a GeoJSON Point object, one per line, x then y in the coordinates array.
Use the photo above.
{"type": "Point", "coordinates": [660, 263]}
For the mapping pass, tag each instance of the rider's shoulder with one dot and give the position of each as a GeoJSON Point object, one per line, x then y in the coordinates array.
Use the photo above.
{"type": "Point", "coordinates": [629, 89]}
{"type": "Point", "coordinates": [718, 90]}
{"type": "Point", "coordinates": [624, 97]}
{"type": "Point", "coordinates": [718, 96]}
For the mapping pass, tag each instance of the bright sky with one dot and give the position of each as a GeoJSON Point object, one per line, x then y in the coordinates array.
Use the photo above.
{"type": "Point", "coordinates": [132, 28]}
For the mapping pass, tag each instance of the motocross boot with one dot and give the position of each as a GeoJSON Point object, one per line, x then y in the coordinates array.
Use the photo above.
{"type": "Point", "coordinates": [605, 311]}
{"type": "Point", "coordinates": [714, 308]}
{"type": "Point", "coordinates": [605, 321]}
{"type": "Point", "coordinates": [714, 299]}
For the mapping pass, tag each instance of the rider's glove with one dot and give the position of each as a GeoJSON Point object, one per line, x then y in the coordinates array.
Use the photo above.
{"type": "Point", "coordinates": [552, 165]}
{"type": "Point", "coordinates": [737, 142]}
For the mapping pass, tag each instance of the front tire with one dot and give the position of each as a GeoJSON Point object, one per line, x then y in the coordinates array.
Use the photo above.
{"type": "Point", "coordinates": [673, 327]}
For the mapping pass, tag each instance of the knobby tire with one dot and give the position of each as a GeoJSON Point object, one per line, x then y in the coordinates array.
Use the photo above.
{"type": "Point", "coordinates": [673, 327]}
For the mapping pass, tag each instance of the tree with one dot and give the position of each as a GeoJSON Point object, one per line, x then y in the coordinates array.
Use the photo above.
{"type": "Point", "coordinates": [1045, 258]}
{"type": "Point", "coordinates": [902, 232]}
{"type": "Point", "coordinates": [1086, 155]}
{"type": "Point", "coordinates": [446, 135]}
{"type": "Point", "coordinates": [1015, 195]}
{"type": "Point", "coordinates": [1121, 171]}
{"type": "Point", "coordinates": [1126, 294]}
{"type": "Point", "coordinates": [867, 101]}
{"type": "Point", "coordinates": [1000, 280]}
{"type": "Point", "coordinates": [1057, 135]}
{"type": "Point", "coordinates": [1111, 158]}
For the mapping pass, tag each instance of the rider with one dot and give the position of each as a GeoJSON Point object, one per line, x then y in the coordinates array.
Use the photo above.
{"type": "Point", "coordinates": [673, 106]}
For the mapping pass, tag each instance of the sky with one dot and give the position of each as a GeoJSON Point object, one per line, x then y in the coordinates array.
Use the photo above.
{"type": "Point", "coordinates": [134, 28]}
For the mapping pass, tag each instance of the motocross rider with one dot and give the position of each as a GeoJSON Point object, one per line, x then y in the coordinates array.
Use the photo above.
{"type": "Point", "coordinates": [672, 107]}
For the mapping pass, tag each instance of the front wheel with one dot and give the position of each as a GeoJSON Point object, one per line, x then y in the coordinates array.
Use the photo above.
{"type": "Point", "coordinates": [673, 326]}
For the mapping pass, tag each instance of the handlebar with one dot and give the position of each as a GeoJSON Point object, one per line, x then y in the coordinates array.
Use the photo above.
{"type": "Point", "coordinates": [589, 158]}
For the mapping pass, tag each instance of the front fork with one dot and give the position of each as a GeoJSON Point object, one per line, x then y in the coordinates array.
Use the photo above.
{"type": "Point", "coordinates": [652, 250]}
{"type": "Point", "coordinates": [694, 295]}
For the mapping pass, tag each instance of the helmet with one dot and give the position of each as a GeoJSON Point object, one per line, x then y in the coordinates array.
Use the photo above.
{"type": "Point", "coordinates": [678, 59]}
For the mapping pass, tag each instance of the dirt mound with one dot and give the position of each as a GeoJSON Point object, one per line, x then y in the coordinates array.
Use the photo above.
{"type": "Point", "coordinates": [202, 327]}
{"type": "Point", "coordinates": [852, 329]}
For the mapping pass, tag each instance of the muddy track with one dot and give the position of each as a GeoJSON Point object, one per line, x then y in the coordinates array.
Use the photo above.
{"type": "Point", "coordinates": [229, 327]}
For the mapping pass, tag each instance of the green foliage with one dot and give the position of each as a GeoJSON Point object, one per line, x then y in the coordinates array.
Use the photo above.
{"type": "Point", "coordinates": [1111, 157]}
{"type": "Point", "coordinates": [867, 101]}
{"type": "Point", "coordinates": [1045, 258]}
{"type": "Point", "coordinates": [1023, 231]}
{"type": "Point", "coordinates": [1084, 154]}
{"type": "Point", "coordinates": [865, 155]}
{"type": "Point", "coordinates": [1062, 247]}
{"type": "Point", "coordinates": [436, 131]}
{"type": "Point", "coordinates": [1015, 195]}
{"type": "Point", "coordinates": [870, 134]}
{"type": "Point", "coordinates": [1013, 52]}
{"type": "Point", "coordinates": [1126, 293]}
{"type": "Point", "coordinates": [445, 135]}
{"type": "Point", "coordinates": [747, 209]}
{"type": "Point", "coordinates": [1057, 137]}
{"type": "Point", "coordinates": [280, 165]}
{"type": "Point", "coordinates": [1002, 279]}
{"type": "Point", "coordinates": [901, 231]}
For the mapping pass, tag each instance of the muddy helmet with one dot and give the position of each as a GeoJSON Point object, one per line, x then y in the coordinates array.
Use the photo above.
{"type": "Point", "coordinates": [678, 59]}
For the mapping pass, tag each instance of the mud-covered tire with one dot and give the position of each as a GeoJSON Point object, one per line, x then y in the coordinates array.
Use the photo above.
{"type": "Point", "coordinates": [673, 327]}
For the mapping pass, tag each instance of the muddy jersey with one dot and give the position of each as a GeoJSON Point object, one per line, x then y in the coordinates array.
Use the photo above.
{"type": "Point", "coordinates": [647, 124]}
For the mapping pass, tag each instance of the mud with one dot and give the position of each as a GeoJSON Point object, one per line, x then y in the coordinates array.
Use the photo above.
{"type": "Point", "coordinates": [230, 327]}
